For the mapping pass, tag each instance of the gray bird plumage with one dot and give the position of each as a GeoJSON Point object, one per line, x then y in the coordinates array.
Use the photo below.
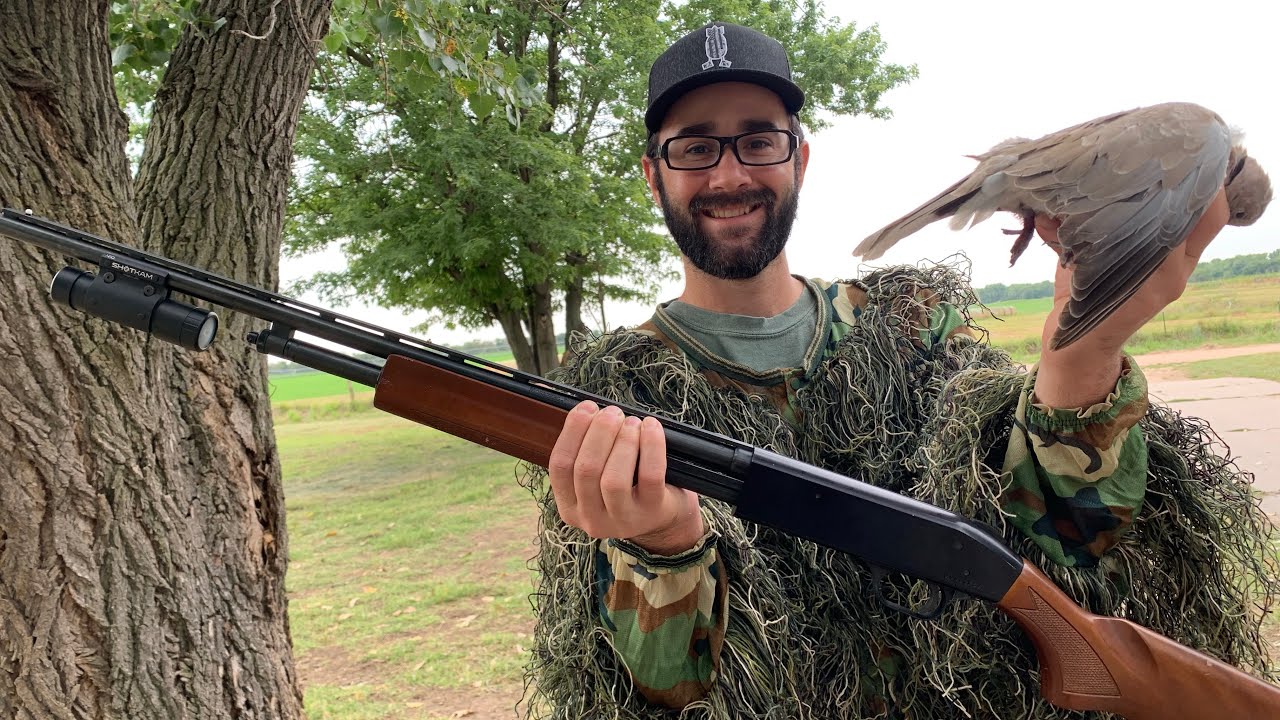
{"type": "Point", "coordinates": [1128, 188]}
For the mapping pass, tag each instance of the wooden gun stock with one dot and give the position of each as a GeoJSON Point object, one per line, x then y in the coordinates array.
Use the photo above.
{"type": "Point", "coordinates": [1091, 662]}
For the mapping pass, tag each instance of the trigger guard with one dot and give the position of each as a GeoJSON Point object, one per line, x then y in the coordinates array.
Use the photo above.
{"type": "Point", "coordinates": [939, 597]}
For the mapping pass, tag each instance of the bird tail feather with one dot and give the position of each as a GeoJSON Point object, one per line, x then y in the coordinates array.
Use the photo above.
{"type": "Point", "coordinates": [943, 205]}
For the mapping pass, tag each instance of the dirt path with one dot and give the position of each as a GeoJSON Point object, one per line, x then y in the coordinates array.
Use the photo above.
{"type": "Point", "coordinates": [1209, 352]}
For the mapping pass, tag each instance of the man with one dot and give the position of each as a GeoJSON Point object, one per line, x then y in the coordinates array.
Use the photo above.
{"type": "Point", "coordinates": [734, 619]}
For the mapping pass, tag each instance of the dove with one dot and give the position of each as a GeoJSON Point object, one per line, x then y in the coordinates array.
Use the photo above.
{"type": "Point", "coordinates": [1127, 187]}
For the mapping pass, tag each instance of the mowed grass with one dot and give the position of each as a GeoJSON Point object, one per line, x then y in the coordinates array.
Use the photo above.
{"type": "Point", "coordinates": [1265, 366]}
{"type": "Point", "coordinates": [408, 583]}
{"type": "Point", "coordinates": [301, 385]}
{"type": "Point", "coordinates": [1238, 311]}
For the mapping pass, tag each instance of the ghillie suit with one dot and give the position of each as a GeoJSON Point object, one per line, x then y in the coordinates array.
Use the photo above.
{"type": "Point", "coordinates": [806, 637]}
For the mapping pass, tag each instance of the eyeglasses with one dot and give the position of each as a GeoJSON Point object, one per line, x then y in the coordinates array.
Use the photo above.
{"type": "Point", "coordinates": [699, 152]}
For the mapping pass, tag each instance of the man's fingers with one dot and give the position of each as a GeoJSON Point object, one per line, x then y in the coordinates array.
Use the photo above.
{"type": "Point", "coordinates": [620, 471]}
{"type": "Point", "coordinates": [593, 454]}
{"type": "Point", "coordinates": [651, 473]}
{"type": "Point", "coordinates": [565, 453]}
{"type": "Point", "coordinates": [1047, 229]}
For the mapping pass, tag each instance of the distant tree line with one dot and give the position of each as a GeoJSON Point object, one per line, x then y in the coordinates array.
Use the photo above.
{"type": "Point", "coordinates": [1259, 264]}
{"type": "Point", "coordinates": [1018, 291]}
{"type": "Point", "coordinates": [493, 345]}
{"type": "Point", "coordinates": [1241, 265]}
{"type": "Point", "coordinates": [1238, 266]}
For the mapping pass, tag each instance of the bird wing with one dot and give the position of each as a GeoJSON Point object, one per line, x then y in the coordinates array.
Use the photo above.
{"type": "Point", "coordinates": [976, 196]}
{"type": "Point", "coordinates": [1128, 188]}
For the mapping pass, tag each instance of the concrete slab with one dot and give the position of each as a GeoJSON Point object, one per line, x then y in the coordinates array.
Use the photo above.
{"type": "Point", "coordinates": [1245, 412]}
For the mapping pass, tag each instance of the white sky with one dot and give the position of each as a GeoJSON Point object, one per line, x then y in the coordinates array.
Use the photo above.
{"type": "Point", "coordinates": [990, 70]}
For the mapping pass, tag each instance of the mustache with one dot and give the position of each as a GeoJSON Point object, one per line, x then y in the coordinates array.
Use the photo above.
{"type": "Point", "coordinates": [754, 196]}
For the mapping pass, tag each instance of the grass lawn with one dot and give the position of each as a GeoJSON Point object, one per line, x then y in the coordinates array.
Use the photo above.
{"type": "Point", "coordinates": [1265, 366]}
{"type": "Point", "coordinates": [407, 582]}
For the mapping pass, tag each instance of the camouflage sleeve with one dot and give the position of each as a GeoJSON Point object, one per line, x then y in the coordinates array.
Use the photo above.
{"type": "Point", "coordinates": [1074, 479]}
{"type": "Point", "coordinates": [666, 617]}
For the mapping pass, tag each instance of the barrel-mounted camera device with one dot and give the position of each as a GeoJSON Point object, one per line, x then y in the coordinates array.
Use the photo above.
{"type": "Point", "coordinates": [134, 294]}
{"type": "Point", "coordinates": [126, 290]}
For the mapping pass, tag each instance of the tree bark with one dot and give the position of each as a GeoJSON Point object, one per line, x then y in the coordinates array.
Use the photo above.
{"type": "Point", "coordinates": [574, 296]}
{"type": "Point", "coordinates": [513, 330]}
{"type": "Point", "coordinates": [542, 329]}
{"type": "Point", "coordinates": [142, 541]}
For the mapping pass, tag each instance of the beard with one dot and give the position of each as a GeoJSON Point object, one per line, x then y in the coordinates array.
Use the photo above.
{"type": "Point", "coordinates": [731, 263]}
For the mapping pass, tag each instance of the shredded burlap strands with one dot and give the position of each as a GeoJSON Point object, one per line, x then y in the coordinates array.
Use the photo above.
{"type": "Point", "coordinates": [806, 636]}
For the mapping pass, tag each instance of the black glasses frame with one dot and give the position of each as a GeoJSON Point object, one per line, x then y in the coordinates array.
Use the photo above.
{"type": "Point", "coordinates": [732, 141]}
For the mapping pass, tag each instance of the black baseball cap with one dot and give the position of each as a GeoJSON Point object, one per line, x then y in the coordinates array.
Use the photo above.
{"type": "Point", "coordinates": [719, 52]}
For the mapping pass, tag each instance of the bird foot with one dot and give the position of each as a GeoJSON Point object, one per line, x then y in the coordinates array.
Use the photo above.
{"type": "Point", "coordinates": [1024, 234]}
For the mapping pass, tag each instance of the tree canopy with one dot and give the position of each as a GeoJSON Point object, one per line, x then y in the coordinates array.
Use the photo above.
{"type": "Point", "coordinates": [482, 160]}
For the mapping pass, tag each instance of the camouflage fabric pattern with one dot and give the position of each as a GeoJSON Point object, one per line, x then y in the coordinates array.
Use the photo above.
{"type": "Point", "coordinates": [662, 613]}
{"type": "Point", "coordinates": [668, 632]}
{"type": "Point", "coordinates": [1075, 479]}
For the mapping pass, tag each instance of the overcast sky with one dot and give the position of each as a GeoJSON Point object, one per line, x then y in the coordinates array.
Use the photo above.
{"type": "Point", "coordinates": [991, 70]}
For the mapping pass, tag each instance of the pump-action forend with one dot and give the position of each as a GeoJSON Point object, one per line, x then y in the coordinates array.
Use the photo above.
{"type": "Point", "coordinates": [1087, 662]}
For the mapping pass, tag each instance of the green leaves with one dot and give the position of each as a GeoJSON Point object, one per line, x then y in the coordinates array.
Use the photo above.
{"type": "Point", "coordinates": [441, 201]}
{"type": "Point", "coordinates": [482, 104]}
{"type": "Point", "coordinates": [839, 66]}
{"type": "Point", "coordinates": [120, 54]}
{"type": "Point", "coordinates": [143, 34]}
{"type": "Point", "coordinates": [428, 40]}
{"type": "Point", "coordinates": [417, 47]}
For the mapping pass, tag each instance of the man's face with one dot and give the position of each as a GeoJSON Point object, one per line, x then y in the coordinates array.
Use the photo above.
{"type": "Point", "coordinates": [730, 220]}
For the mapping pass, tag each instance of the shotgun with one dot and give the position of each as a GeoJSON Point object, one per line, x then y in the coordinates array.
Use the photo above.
{"type": "Point", "coordinates": [1087, 661]}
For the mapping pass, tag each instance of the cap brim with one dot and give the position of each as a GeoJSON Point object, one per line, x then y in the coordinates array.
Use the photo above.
{"type": "Point", "coordinates": [791, 95]}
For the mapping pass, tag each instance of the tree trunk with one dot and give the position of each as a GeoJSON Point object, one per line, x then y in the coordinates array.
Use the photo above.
{"type": "Point", "coordinates": [574, 297]}
{"type": "Point", "coordinates": [542, 329]}
{"type": "Point", "coordinates": [600, 298]}
{"type": "Point", "coordinates": [513, 330]}
{"type": "Point", "coordinates": [142, 543]}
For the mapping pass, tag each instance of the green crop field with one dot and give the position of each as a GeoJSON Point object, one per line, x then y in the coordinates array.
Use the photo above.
{"type": "Point", "coordinates": [1239, 311]}
{"type": "Point", "coordinates": [303, 385]}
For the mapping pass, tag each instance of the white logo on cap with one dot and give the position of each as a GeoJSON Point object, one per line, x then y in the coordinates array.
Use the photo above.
{"type": "Point", "coordinates": [717, 47]}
